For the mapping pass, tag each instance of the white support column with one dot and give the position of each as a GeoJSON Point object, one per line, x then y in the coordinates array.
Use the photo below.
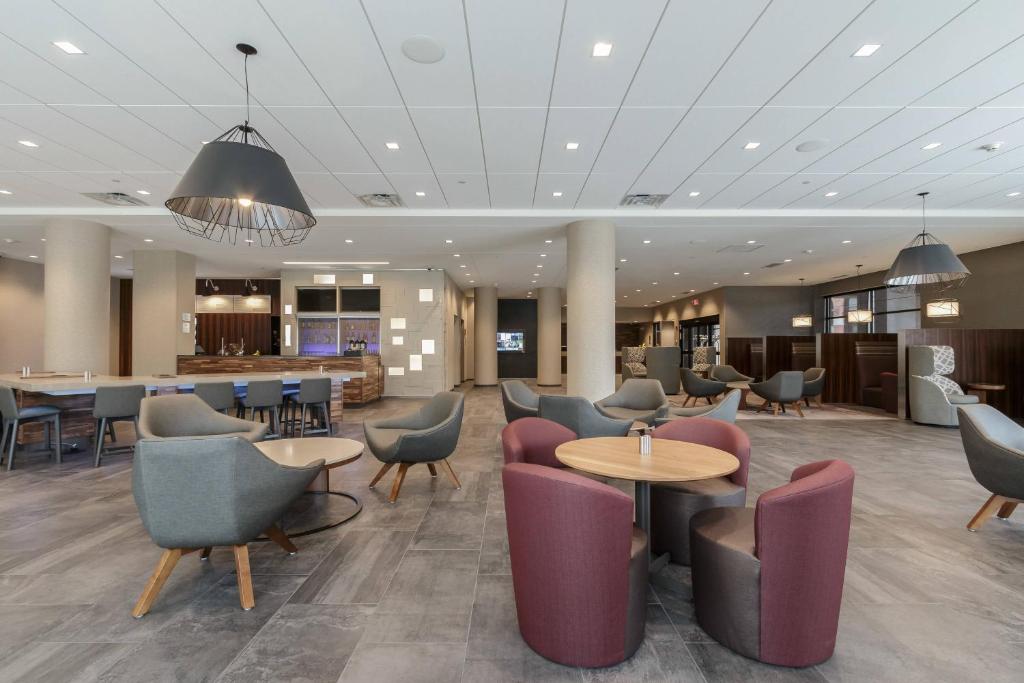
{"type": "Point", "coordinates": [485, 333]}
{"type": "Point", "coordinates": [163, 289]}
{"type": "Point", "coordinates": [76, 294]}
{"type": "Point", "coordinates": [549, 336]}
{"type": "Point", "coordinates": [590, 311]}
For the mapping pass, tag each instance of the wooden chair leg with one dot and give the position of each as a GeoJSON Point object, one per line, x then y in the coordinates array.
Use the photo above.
{"type": "Point", "coordinates": [817, 399]}
{"type": "Point", "coordinates": [159, 577]}
{"type": "Point", "coordinates": [381, 472]}
{"type": "Point", "coordinates": [245, 596]}
{"type": "Point", "coordinates": [279, 537]}
{"type": "Point", "coordinates": [433, 470]}
{"type": "Point", "coordinates": [1006, 509]}
{"type": "Point", "coordinates": [775, 408]}
{"type": "Point", "coordinates": [798, 409]}
{"type": "Point", "coordinates": [204, 555]}
{"type": "Point", "coordinates": [399, 478]}
{"type": "Point", "coordinates": [986, 511]}
{"type": "Point", "coordinates": [451, 474]}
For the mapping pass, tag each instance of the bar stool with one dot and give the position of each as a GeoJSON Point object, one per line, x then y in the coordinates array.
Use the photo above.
{"type": "Point", "coordinates": [14, 417]}
{"type": "Point", "coordinates": [218, 395]}
{"type": "Point", "coordinates": [314, 393]}
{"type": "Point", "coordinates": [115, 404]}
{"type": "Point", "coordinates": [265, 394]}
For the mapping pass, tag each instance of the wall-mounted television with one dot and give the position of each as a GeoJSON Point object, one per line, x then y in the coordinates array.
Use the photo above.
{"type": "Point", "coordinates": [512, 341]}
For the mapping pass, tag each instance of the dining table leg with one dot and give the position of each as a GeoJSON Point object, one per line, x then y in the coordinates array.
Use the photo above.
{"type": "Point", "coordinates": [642, 500]}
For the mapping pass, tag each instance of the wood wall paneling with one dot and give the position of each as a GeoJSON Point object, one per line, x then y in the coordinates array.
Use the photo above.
{"type": "Point", "coordinates": [737, 353]}
{"type": "Point", "coordinates": [778, 352]}
{"type": "Point", "coordinates": [124, 349]}
{"type": "Point", "coordinates": [840, 362]}
{"type": "Point", "coordinates": [233, 328]}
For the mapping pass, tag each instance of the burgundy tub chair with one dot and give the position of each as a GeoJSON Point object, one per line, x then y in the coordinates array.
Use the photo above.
{"type": "Point", "coordinates": [767, 582]}
{"type": "Point", "coordinates": [674, 504]}
{"type": "Point", "coordinates": [579, 566]}
{"type": "Point", "coordinates": [533, 440]}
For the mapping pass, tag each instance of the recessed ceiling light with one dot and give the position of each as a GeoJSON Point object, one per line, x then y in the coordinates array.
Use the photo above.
{"type": "Point", "coordinates": [205, 142]}
{"type": "Point", "coordinates": [866, 50]}
{"type": "Point", "coordinates": [639, 290]}
{"type": "Point", "coordinates": [556, 194]}
{"type": "Point", "coordinates": [675, 273]}
{"type": "Point", "coordinates": [746, 273]}
{"type": "Point", "coordinates": [9, 240]}
{"type": "Point", "coordinates": [572, 145]}
{"type": "Point", "coordinates": [625, 296]}
{"type": "Point", "coordinates": [932, 145]}
{"type": "Point", "coordinates": [42, 239]}
{"type": "Point", "coordinates": [6, 192]}
{"type": "Point", "coordinates": [657, 301]}
{"type": "Point", "coordinates": [463, 265]}
{"type": "Point", "coordinates": [831, 194]}
{"type": "Point", "coordinates": [391, 145]}
{"type": "Point", "coordinates": [148, 239]}
{"type": "Point", "coordinates": [118, 256]}
{"type": "Point", "coordinates": [33, 256]}
{"type": "Point", "coordinates": [348, 241]}
{"type": "Point", "coordinates": [536, 274]}
{"type": "Point", "coordinates": [601, 49]}
{"type": "Point", "coordinates": [533, 282]}
{"type": "Point", "coordinates": [695, 193]}
{"type": "Point", "coordinates": [654, 283]}
{"type": "Point", "coordinates": [808, 251]}
{"type": "Point", "coordinates": [244, 201]}
{"type": "Point", "coordinates": [249, 241]}
{"type": "Point", "coordinates": [694, 290]}
{"type": "Point", "coordinates": [751, 241]}
{"type": "Point", "coordinates": [472, 281]}
{"type": "Point", "coordinates": [847, 241]}
{"type": "Point", "coordinates": [448, 241]}
{"type": "Point", "coordinates": [543, 255]}
{"type": "Point", "coordinates": [787, 260]}
{"type": "Point", "coordinates": [540, 265]}
{"type": "Point", "coordinates": [622, 260]}
{"type": "Point", "coordinates": [752, 145]}
{"type": "Point", "coordinates": [548, 241]}
{"type": "Point", "coordinates": [714, 283]}
{"type": "Point", "coordinates": [336, 263]}
{"type": "Point", "coordinates": [1011, 194]}
{"type": "Point", "coordinates": [142, 192]}
{"type": "Point", "coordinates": [70, 48]}
{"type": "Point", "coordinates": [647, 241]}
{"type": "Point", "coordinates": [421, 194]}
{"type": "Point", "coordinates": [457, 255]}
{"type": "Point", "coordinates": [27, 143]}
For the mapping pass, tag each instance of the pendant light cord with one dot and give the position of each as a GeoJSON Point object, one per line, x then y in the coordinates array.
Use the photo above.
{"type": "Point", "coordinates": [245, 68]}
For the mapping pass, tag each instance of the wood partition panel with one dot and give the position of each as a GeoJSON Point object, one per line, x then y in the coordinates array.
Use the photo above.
{"type": "Point", "coordinates": [989, 356]}
{"type": "Point", "coordinates": [840, 363]}
{"type": "Point", "coordinates": [737, 353]}
{"type": "Point", "coordinates": [254, 328]}
{"type": "Point", "coordinates": [124, 331]}
{"type": "Point", "coordinates": [778, 352]}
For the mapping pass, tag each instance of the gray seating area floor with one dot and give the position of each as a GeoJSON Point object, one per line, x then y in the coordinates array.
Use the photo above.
{"type": "Point", "coordinates": [421, 590]}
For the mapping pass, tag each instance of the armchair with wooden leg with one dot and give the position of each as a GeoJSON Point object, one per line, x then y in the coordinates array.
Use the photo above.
{"type": "Point", "coordinates": [194, 493]}
{"type": "Point", "coordinates": [696, 387]}
{"type": "Point", "coordinates": [784, 388]}
{"type": "Point", "coordinates": [994, 445]}
{"type": "Point", "coordinates": [814, 385]}
{"type": "Point", "coordinates": [428, 435]}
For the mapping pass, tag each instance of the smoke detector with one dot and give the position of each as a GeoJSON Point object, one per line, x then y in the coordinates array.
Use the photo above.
{"type": "Point", "coordinates": [115, 198]}
{"type": "Point", "coordinates": [381, 201]}
{"type": "Point", "coordinates": [991, 147]}
{"type": "Point", "coordinates": [643, 200]}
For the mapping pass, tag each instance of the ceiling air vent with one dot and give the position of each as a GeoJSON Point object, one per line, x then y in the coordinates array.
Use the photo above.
{"type": "Point", "coordinates": [643, 200]}
{"type": "Point", "coordinates": [381, 201]}
{"type": "Point", "coordinates": [739, 248]}
{"type": "Point", "coordinates": [115, 198]}
{"type": "Point", "coordinates": [772, 265]}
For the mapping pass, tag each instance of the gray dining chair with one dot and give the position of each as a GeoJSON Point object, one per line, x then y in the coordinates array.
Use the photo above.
{"type": "Point", "coordinates": [264, 395]}
{"type": "Point", "coordinates": [663, 365]}
{"type": "Point", "coordinates": [218, 395]}
{"type": "Point", "coordinates": [194, 493]}
{"type": "Point", "coordinates": [115, 404]}
{"type": "Point", "coordinates": [14, 417]}
{"type": "Point", "coordinates": [814, 385]}
{"type": "Point", "coordinates": [177, 415]}
{"type": "Point", "coordinates": [696, 387]}
{"type": "Point", "coordinates": [784, 387]}
{"type": "Point", "coordinates": [994, 445]}
{"type": "Point", "coordinates": [428, 435]}
{"type": "Point", "coordinates": [314, 397]}
{"type": "Point", "coordinates": [518, 400]}
{"type": "Point", "coordinates": [725, 410]}
{"type": "Point", "coordinates": [581, 416]}
{"type": "Point", "coordinates": [640, 400]}
{"type": "Point", "coordinates": [727, 373]}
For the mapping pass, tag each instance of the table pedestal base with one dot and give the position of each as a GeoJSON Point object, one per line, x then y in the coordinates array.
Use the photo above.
{"type": "Point", "coordinates": [642, 499]}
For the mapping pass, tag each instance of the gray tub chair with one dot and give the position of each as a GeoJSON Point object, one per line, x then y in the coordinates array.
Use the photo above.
{"type": "Point", "coordinates": [176, 415]}
{"type": "Point", "coordinates": [994, 445]}
{"type": "Point", "coordinates": [218, 395]}
{"type": "Point", "coordinates": [663, 365]}
{"type": "Point", "coordinates": [580, 415]}
{"type": "Point", "coordinates": [518, 400]}
{"type": "Point", "coordinates": [784, 387]}
{"type": "Point", "coordinates": [428, 435]}
{"type": "Point", "coordinates": [696, 387]}
{"type": "Point", "coordinates": [194, 493]}
{"type": "Point", "coordinates": [814, 385]}
{"type": "Point", "coordinates": [725, 410]}
{"type": "Point", "coordinates": [641, 400]}
{"type": "Point", "coordinates": [633, 358]}
{"type": "Point", "coordinates": [934, 397]}
{"type": "Point", "coordinates": [727, 373]}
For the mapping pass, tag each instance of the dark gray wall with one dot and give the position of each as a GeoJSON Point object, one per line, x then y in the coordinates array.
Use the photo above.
{"type": "Point", "coordinates": [518, 314]}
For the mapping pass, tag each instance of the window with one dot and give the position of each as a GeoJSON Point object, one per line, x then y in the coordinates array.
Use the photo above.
{"type": "Point", "coordinates": [894, 309]}
{"type": "Point", "coordinates": [698, 332]}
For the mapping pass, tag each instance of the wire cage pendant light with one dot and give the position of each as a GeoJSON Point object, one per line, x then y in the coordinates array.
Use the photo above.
{"type": "Point", "coordinates": [239, 189]}
{"type": "Point", "coordinates": [926, 260]}
{"type": "Point", "coordinates": [803, 319]}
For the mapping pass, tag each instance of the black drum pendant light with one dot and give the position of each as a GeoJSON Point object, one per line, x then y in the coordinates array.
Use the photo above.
{"type": "Point", "coordinates": [238, 188]}
{"type": "Point", "coordinates": [926, 260]}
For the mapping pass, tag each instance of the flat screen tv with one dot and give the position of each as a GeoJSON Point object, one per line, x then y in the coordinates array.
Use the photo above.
{"type": "Point", "coordinates": [512, 341]}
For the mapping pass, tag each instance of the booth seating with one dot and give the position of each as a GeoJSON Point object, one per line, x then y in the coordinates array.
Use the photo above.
{"type": "Point", "coordinates": [876, 374]}
{"type": "Point", "coordinates": [934, 397]}
{"type": "Point", "coordinates": [803, 355]}
{"type": "Point", "coordinates": [663, 365]}
{"type": "Point", "coordinates": [633, 358]}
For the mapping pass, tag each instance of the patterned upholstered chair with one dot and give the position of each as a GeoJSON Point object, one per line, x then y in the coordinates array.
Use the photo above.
{"type": "Point", "coordinates": [768, 581]}
{"type": "Point", "coordinates": [876, 373]}
{"type": "Point", "coordinates": [934, 397]}
{"type": "Point", "coordinates": [674, 504]}
{"type": "Point", "coordinates": [533, 440]}
{"type": "Point", "coordinates": [703, 359]}
{"type": "Point", "coordinates": [633, 358]}
{"type": "Point", "coordinates": [994, 445]}
{"type": "Point", "coordinates": [579, 566]}
{"type": "Point", "coordinates": [637, 399]}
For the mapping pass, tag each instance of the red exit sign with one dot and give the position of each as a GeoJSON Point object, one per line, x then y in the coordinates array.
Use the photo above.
{"type": "Point", "coordinates": [695, 301]}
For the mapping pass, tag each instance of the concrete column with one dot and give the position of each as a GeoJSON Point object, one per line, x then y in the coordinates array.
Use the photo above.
{"type": "Point", "coordinates": [485, 333]}
{"type": "Point", "coordinates": [549, 336]}
{"type": "Point", "coordinates": [76, 294]}
{"type": "Point", "coordinates": [590, 313]}
{"type": "Point", "coordinates": [163, 289]}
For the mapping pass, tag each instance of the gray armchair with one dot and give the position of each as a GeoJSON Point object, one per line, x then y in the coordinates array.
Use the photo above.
{"type": "Point", "coordinates": [934, 397]}
{"type": "Point", "coordinates": [633, 358]}
{"type": "Point", "coordinates": [663, 365]}
{"type": "Point", "coordinates": [428, 435]}
{"type": "Point", "coordinates": [814, 385]}
{"type": "Point", "coordinates": [580, 415]}
{"type": "Point", "coordinates": [198, 492]}
{"type": "Point", "coordinates": [725, 410]}
{"type": "Point", "coordinates": [187, 415]}
{"type": "Point", "coordinates": [727, 373]}
{"type": "Point", "coordinates": [518, 400]}
{"type": "Point", "coordinates": [994, 445]}
{"type": "Point", "coordinates": [784, 387]}
{"type": "Point", "coordinates": [637, 399]}
{"type": "Point", "coordinates": [697, 387]}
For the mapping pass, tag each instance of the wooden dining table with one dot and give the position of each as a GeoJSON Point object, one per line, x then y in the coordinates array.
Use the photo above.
{"type": "Point", "coordinates": [619, 457]}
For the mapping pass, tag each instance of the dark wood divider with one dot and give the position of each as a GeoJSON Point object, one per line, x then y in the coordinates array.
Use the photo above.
{"type": "Point", "coordinates": [985, 356]}
{"type": "Point", "coordinates": [840, 362]}
{"type": "Point", "coordinates": [737, 353]}
{"type": "Point", "coordinates": [254, 328]}
{"type": "Point", "coordinates": [778, 352]}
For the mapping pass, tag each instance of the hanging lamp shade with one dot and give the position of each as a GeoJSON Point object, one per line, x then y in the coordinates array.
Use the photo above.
{"type": "Point", "coordinates": [859, 316]}
{"type": "Point", "coordinates": [926, 260]}
{"type": "Point", "coordinates": [803, 320]}
{"type": "Point", "coordinates": [943, 308]}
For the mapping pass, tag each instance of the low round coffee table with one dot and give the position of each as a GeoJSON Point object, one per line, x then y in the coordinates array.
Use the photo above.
{"type": "Point", "coordinates": [744, 388]}
{"type": "Point", "coordinates": [981, 389]}
{"type": "Point", "coordinates": [301, 452]}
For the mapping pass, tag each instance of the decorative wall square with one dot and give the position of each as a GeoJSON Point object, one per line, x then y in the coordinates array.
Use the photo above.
{"type": "Point", "coordinates": [367, 278]}
{"type": "Point", "coordinates": [426, 295]}
{"type": "Point", "coordinates": [396, 371]}
{"type": "Point", "coordinates": [398, 323]}
{"type": "Point", "coordinates": [397, 341]}
{"type": "Point", "coordinates": [428, 346]}
{"type": "Point", "coordinates": [415, 362]}
{"type": "Point", "coordinates": [324, 279]}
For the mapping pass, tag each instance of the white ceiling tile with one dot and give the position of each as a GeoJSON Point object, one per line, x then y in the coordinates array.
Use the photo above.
{"type": "Point", "coordinates": [512, 190]}
{"type": "Point", "coordinates": [51, 150]}
{"type": "Point", "coordinates": [743, 190]}
{"type": "Point", "coordinates": [583, 125]}
{"type": "Point", "coordinates": [363, 183]}
{"type": "Point", "coordinates": [788, 189]}
{"type": "Point", "coordinates": [42, 81]}
{"type": "Point", "coordinates": [451, 137]}
{"type": "Point", "coordinates": [376, 127]}
{"type": "Point", "coordinates": [512, 138]}
{"type": "Point", "coordinates": [323, 131]}
{"type": "Point", "coordinates": [465, 190]}
{"type": "Point", "coordinates": [708, 184]}
{"type": "Point", "coordinates": [635, 137]}
{"type": "Point", "coordinates": [835, 127]}
{"type": "Point", "coordinates": [125, 127]}
{"type": "Point", "coordinates": [604, 190]}
{"type": "Point", "coordinates": [772, 127]}
{"type": "Point", "coordinates": [408, 184]}
{"type": "Point", "coordinates": [569, 184]}
{"type": "Point", "coordinates": [988, 80]}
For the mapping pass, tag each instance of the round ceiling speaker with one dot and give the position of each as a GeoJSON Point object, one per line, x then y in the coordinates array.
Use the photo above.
{"type": "Point", "coordinates": [423, 49]}
{"type": "Point", "coordinates": [812, 145]}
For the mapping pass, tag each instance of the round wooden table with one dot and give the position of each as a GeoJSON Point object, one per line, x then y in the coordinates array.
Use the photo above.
{"type": "Point", "coordinates": [618, 457]}
{"type": "Point", "coordinates": [981, 389]}
{"type": "Point", "coordinates": [301, 452]}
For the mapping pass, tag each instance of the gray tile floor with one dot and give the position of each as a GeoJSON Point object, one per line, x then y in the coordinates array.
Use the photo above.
{"type": "Point", "coordinates": [421, 591]}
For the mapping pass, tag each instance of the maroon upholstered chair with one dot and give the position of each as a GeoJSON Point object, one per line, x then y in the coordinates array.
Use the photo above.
{"type": "Point", "coordinates": [874, 359]}
{"type": "Point", "coordinates": [579, 566]}
{"type": "Point", "coordinates": [768, 582]}
{"type": "Point", "coordinates": [533, 440]}
{"type": "Point", "coordinates": [674, 504]}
